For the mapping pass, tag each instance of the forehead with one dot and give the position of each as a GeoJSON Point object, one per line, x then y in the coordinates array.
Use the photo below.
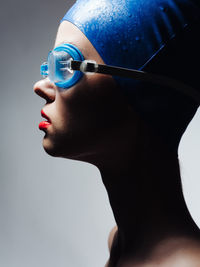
{"type": "Point", "coordinates": [69, 33]}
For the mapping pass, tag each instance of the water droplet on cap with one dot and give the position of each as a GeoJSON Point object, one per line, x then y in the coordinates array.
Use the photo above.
{"type": "Point", "coordinates": [93, 27]}
{"type": "Point", "coordinates": [163, 8]}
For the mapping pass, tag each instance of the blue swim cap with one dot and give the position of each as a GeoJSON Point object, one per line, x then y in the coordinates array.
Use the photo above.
{"type": "Point", "coordinates": [154, 35]}
{"type": "Point", "coordinates": [130, 33]}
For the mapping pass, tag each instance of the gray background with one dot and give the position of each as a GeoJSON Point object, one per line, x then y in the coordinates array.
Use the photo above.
{"type": "Point", "coordinates": [53, 212]}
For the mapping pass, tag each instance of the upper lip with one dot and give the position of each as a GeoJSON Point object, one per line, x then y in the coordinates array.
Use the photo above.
{"type": "Point", "coordinates": [45, 116]}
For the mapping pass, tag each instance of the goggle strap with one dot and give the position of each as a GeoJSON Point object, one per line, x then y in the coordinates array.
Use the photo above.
{"type": "Point", "coordinates": [164, 81]}
{"type": "Point", "coordinates": [75, 64]}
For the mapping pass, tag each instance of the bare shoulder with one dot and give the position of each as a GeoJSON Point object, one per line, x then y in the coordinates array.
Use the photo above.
{"type": "Point", "coordinates": [111, 237]}
{"type": "Point", "coordinates": [173, 253]}
{"type": "Point", "coordinates": [188, 255]}
{"type": "Point", "coordinates": [182, 252]}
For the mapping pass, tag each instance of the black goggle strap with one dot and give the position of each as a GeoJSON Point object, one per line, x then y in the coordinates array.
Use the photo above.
{"type": "Point", "coordinates": [92, 67]}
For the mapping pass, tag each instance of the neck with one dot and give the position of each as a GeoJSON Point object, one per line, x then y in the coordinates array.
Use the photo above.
{"type": "Point", "coordinates": [145, 194]}
{"type": "Point", "coordinates": [143, 183]}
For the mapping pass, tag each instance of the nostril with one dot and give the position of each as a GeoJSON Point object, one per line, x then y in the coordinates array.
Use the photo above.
{"type": "Point", "coordinates": [45, 89]}
{"type": "Point", "coordinates": [48, 94]}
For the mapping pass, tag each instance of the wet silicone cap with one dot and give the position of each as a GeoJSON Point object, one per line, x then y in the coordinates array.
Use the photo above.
{"type": "Point", "coordinates": [130, 33]}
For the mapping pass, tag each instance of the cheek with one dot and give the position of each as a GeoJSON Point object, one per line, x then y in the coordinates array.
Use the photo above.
{"type": "Point", "coordinates": [96, 94]}
{"type": "Point", "coordinates": [94, 104]}
{"type": "Point", "coordinates": [106, 102]}
{"type": "Point", "coordinates": [71, 112]}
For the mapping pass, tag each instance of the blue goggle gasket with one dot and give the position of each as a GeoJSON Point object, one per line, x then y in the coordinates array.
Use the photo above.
{"type": "Point", "coordinates": [76, 54]}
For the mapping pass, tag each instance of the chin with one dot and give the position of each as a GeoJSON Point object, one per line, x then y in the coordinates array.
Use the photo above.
{"type": "Point", "coordinates": [67, 151]}
{"type": "Point", "coordinates": [54, 148]}
{"type": "Point", "coordinates": [50, 148]}
{"type": "Point", "coordinates": [59, 149]}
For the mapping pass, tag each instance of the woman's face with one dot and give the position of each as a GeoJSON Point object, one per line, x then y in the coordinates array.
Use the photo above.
{"type": "Point", "coordinates": [83, 116]}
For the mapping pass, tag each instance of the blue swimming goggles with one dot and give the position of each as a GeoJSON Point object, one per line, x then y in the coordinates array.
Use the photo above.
{"type": "Point", "coordinates": [65, 67]}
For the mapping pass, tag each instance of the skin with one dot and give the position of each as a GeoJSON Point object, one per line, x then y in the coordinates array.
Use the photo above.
{"type": "Point", "coordinates": [92, 122]}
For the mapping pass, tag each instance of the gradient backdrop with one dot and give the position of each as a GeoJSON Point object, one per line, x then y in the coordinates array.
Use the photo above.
{"type": "Point", "coordinates": [53, 212]}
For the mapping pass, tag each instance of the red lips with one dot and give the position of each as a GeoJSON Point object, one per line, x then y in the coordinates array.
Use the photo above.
{"type": "Point", "coordinates": [44, 124]}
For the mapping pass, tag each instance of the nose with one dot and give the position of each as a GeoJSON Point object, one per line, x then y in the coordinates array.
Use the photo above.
{"type": "Point", "coordinates": [45, 89]}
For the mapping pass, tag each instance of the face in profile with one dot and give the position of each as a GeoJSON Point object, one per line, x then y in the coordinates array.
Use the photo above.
{"type": "Point", "coordinates": [79, 118]}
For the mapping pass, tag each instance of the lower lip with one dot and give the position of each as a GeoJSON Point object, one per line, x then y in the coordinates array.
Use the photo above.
{"type": "Point", "coordinates": [44, 125]}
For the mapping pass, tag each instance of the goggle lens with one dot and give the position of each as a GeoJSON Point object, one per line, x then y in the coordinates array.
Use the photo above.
{"type": "Point", "coordinates": [58, 66]}
{"type": "Point", "coordinates": [59, 63]}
